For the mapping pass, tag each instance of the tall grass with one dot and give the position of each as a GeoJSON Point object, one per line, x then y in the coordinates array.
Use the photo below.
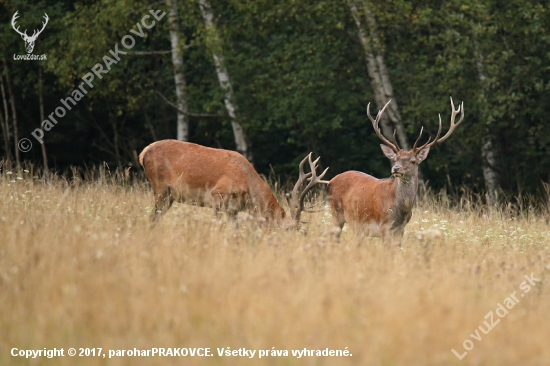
{"type": "Point", "coordinates": [81, 266]}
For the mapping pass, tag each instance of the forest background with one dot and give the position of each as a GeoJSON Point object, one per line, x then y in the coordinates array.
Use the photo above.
{"type": "Point", "coordinates": [277, 79]}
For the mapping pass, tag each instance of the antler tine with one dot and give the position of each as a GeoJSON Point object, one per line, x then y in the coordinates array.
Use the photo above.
{"type": "Point", "coordinates": [297, 203]}
{"type": "Point", "coordinates": [301, 179]}
{"type": "Point", "coordinates": [394, 139]}
{"type": "Point", "coordinates": [314, 179]}
{"type": "Point", "coordinates": [418, 139]}
{"type": "Point", "coordinates": [453, 116]}
{"type": "Point", "coordinates": [315, 161]}
{"type": "Point", "coordinates": [314, 171]}
{"type": "Point", "coordinates": [427, 144]}
{"type": "Point", "coordinates": [454, 112]}
{"type": "Point", "coordinates": [375, 122]}
{"type": "Point", "coordinates": [303, 176]}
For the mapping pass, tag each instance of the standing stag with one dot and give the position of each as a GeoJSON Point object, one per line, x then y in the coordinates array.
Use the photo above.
{"type": "Point", "coordinates": [383, 207]}
{"type": "Point", "coordinates": [222, 179]}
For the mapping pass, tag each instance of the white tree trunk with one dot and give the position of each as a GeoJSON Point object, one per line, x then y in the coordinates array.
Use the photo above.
{"type": "Point", "coordinates": [223, 77]}
{"type": "Point", "coordinates": [179, 77]}
{"type": "Point", "coordinates": [378, 73]}
{"type": "Point", "coordinates": [488, 151]}
{"type": "Point", "coordinates": [489, 155]}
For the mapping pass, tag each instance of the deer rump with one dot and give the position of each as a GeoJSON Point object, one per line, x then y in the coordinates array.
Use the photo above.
{"type": "Point", "coordinates": [194, 174]}
{"type": "Point", "coordinates": [367, 203]}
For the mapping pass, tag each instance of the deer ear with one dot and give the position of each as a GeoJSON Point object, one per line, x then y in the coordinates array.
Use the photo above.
{"type": "Point", "coordinates": [390, 154]}
{"type": "Point", "coordinates": [422, 154]}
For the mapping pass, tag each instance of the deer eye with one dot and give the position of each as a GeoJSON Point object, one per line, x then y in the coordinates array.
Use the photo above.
{"type": "Point", "coordinates": [413, 161]}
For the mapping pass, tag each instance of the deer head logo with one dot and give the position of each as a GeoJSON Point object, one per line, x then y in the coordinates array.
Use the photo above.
{"type": "Point", "coordinates": [29, 40]}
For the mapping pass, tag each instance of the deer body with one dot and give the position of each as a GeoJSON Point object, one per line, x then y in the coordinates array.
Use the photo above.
{"type": "Point", "coordinates": [382, 207]}
{"type": "Point", "coordinates": [186, 172]}
{"type": "Point", "coordinates": [222, 179]}
{"type": "Point", "coordinates": [374, 207]}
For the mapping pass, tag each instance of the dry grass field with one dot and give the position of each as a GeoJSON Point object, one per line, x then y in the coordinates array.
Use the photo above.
{"type": "Point", "coordinates": [80, 266]}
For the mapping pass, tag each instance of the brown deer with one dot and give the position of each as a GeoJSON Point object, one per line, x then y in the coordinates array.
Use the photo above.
{"type": "Point", "coordinates": [383, 207]}
{"type": "Point", "coordinates": [222, 179]}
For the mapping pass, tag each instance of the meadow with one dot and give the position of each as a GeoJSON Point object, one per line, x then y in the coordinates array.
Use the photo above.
{"type": "Point", "coordinates": [81, 266]}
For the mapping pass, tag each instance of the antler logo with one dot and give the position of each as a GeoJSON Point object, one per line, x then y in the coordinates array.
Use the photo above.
{"type": "Point", "coordinates": [29, 40]}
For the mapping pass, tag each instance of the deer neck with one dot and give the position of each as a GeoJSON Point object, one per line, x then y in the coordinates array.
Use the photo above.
{"type": "Point", "coordinates": [265, 200]}
{"type": "Point", "coordinates": [405, 194]}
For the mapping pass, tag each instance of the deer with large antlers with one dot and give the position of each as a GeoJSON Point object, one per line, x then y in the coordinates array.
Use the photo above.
{"type": "Point", "coordinates": [222, 179]}
{"type": "Point", "coordinates": [383, 207]}
{"type": "Point", "coordinates": [29, 40]}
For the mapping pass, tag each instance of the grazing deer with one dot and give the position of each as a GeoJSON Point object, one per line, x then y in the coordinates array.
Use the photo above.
{"type": "Point", "coordinates": [223, 179]}
{"type": "Point", "coordinates": [383, 207]}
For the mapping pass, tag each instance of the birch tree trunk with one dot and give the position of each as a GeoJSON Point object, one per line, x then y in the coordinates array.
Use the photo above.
{"type": "Point", "coordinates": [378, 73]}
{"type": "Point", "coordinates": [241, 141]}
{"type": "Point", "coordinates": [489, 155]}
{"type": "Point", "coordinates": [13, 113]}
{"type": "Point", "coordinates": [42, 116]}
{"type": "Point", "coordinates": [4, 119]}
{"type": "Point", "coordinates": [488, 151]}
{"type": "Point", "coordinates": [179, 76]}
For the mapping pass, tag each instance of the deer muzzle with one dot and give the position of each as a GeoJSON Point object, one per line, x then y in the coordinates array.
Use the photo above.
{"type": "Point", "coordinates": [397, 170]}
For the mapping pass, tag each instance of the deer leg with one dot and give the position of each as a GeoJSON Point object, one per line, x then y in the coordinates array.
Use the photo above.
{"type": "Point", "coordinates": [217, 201]}
{"type": "Point", "coordinates": [397, 237]}
{"type": "Point", "coordinates": [391, 237]}
{"type": "Point", "coordinates": [230, 203]}
{"type": "Point", "coordinates": [338, 221]}
{"type": "Point", "coordinates": [230, 200]}
{"type": "Point", "coordinates": [396, 232]}
{"type": "Point", "coordinates": [386, 234]}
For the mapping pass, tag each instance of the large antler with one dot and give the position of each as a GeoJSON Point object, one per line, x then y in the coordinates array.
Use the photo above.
{"type": "Point", "coordinates": [297, 202]}
{"type": "Point", "coordinates": [438, 140]}
{"type": "Point", "coordinates": [13, 19]}
{"type": "Point", "coordinates": [394, 146]}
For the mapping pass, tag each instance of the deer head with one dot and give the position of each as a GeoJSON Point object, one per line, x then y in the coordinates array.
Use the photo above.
{"type": "Point", "coordinates": [29, 40]}
{"type": "Point", "coordinates": [405, 163]}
